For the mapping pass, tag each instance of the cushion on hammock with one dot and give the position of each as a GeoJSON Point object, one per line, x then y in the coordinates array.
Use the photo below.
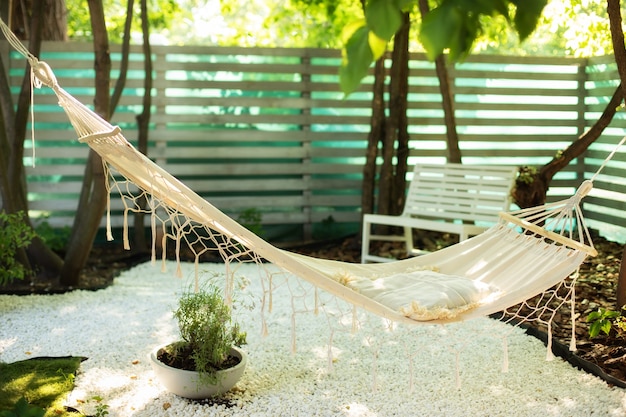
{"type": "Point", "coordinates": [425, 295]}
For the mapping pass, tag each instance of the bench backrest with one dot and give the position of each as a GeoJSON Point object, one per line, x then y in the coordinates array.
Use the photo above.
{"type": "Point", "coordinates": [468, 193]}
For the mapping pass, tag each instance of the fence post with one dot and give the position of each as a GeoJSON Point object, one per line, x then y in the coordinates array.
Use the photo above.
{"type": "Point", "coordinates": [305, 94]}
{"type": "Point", "coordinates": [581, 93]}
{"type": "Point", "coordinates": [160, 101]}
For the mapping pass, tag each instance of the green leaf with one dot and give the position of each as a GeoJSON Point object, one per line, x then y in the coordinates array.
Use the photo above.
{"type": "Point", "coordinates": [377, 45]}
{"type": "Point", "coordinates": [383, 17]}
{"type": "Point", "coordinates": [406, 5]}
{"type": "Point", "coordinates": [610, 314]}
{"type": "Point", "coordinates": [356, 60]}
{"type": "Point", "coordinates": [461, 45]}
{"type": "Point", "coordinates": [593, 316]}
{"type": "Point", "coordinates": [594, 329]}
{"type": "Point", "coordinates": [441, 29]}
{"type": "Point", "coordinates": [527, 15]}
{"type": "Point", "coordinates": [484, 7]}
{"type": "Point", "coordinates": [606, 326]}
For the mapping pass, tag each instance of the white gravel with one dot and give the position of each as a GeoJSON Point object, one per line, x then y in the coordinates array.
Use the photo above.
{"type": "Point", "coordinates": [370, 374]}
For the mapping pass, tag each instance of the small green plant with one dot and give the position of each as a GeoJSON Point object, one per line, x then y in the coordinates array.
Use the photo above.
{"type": "Point", "coordinates": [251, 219]}
{"type": "Point", "coordinates": [23, 409]}
{"type": "Point", "coordinates": [620, 324]}
{"type": "Point", "coordinates": [526, 175]}
{"type": "Point", "coordinates": [69, 377]}
{"type": "Point", "coordinates": [102, 409]}
{"type": "Point", "coordinates": [15, 234]}
{"type": "Point", "coordinates": [55, 238]}
{"type": "Point", "coordinates": [207, 330]}
{"type": "Point", "coordinates": [601, 321]}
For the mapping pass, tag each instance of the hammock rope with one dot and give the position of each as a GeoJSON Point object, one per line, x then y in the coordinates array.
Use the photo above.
{"type": "Point", "coordinates": [529, 252]}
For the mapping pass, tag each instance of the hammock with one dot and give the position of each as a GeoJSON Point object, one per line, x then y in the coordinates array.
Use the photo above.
{"type": "Point", "coordinates": [526, 253]}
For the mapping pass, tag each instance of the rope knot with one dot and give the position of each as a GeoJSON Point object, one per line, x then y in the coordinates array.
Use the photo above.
{"type": "Point", "coordinates": [43, 73]}
{"type": "Point", "coordinates": [584, 188]}
{"type": "Point", "coordinates": [581, 192]}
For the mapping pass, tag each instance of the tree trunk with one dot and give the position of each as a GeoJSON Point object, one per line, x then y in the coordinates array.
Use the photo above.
{"type": "Point", "coordinates": [377, 129]}
{"type": "Point", "coordinates": [617, 36]}
{"type": "Point", "coordinates": [621, 284]}
{"type": "Point", "coordinates": [143, 122]}
{"type": "Point", "coordinates": [54, 23]}
{"type": "Point", "coordinates": [532, 190]}
{"type": "Point", "coordinates": [121, 79]}
{"type": "Point", "coordinates": [37, 257]}
{"type": "Point", "coordinates": [395, 136]}
{"type": "Point", "coordinates": [92, 201]}
{"type": "Point", "coordinates": [447, 99]}
{"type": "Point", "coordinates": [400, 76]}
{"type": "Point", "coordinates": [531, 187]}
{"type": "Point", "coordinates": [386, 180]}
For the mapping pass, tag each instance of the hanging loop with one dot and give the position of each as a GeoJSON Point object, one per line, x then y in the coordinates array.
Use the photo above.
{"type": "Point", "coordinates": [43, 73]}
{"type": "Point", "coordinates": [584, 189]}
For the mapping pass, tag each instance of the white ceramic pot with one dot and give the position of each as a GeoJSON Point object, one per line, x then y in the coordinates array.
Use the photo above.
{"type": "Point", "coordinates": [185, 383]}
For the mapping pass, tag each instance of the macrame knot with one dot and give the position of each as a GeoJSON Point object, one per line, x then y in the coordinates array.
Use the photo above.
{"type": "Point", "coordinates": [582, 191]}
{"type": "Point", "coordinates": [43, 73]}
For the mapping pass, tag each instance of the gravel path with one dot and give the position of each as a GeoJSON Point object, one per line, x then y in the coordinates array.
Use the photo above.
{"type": "Point", "coordinates": [410, 371]}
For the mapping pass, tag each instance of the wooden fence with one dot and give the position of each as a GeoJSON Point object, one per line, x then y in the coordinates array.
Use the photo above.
{"type": "Point", "coordinates": [267, 130]}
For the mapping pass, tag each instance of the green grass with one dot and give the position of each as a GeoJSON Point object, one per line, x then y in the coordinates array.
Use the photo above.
{"type": "Point", "coordinates": [43, 382]}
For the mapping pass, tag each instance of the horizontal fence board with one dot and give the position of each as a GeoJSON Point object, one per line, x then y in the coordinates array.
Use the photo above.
{"type": "Point", "coordinates": [268, 128]}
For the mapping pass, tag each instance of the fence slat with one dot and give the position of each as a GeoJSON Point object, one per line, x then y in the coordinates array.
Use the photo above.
{"type": "Point", "coordinates": [268, 128]}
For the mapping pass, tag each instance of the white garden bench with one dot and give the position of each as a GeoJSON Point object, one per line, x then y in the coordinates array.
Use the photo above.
{"type": "Point", "coordinates": [449, 198]}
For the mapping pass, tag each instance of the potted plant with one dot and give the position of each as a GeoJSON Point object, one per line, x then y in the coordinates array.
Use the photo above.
{"type": "Point", "coordinates": [207, 361]}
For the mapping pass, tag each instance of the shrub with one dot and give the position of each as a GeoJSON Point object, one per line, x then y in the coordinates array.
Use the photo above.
{"type": "Point", "coordinates": [207, 330]}
{"type": "Point", "coordinates": [55, 238]}
{"type": "Point", "coordinates": [15, 234]}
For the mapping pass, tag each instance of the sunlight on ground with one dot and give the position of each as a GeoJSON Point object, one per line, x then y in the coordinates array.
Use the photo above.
{"type": "Point", "coordinates": [358, 410]}
{"type": "Point", "coordinates": [6, 343]}
{"type": "Point", "coordinates": [115, 389]}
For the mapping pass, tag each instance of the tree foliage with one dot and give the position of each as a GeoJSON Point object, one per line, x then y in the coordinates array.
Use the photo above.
{"type": "Point", "coordinates": [164, 14]}
{"type": "Point", "coordinates": [290, 23]}
{"type": "Point", "coordinates": [452, 26]}
{"type": "Point", "coordinates": [287, 23]}
{"type": "Point", "coordinates": [566, 27]}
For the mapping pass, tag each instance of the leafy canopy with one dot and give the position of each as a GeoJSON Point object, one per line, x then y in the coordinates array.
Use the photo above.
{"type": "Point", "coordinates": [452, 26]}
{"type": "Point", "coordinates": [162, 15]}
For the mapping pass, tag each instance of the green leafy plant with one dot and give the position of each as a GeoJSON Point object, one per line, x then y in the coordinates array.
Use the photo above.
{"type": "Point", "coordinates": [601, 321]}
{"type": "Point", "coordinates": [526, 175]}
{"type": "Point", "coordinates": [15, 234]}
{"type": "Point", "coordinates": [102, 409]}
{"type": "Point", "coordinates": [55, 237]}
{"type": "Point", "coordinates": [23, 409]}
{"type": "Point", "coordinates": [251, 219]}
{"type": "Point", "coordinates": [620, 323]}
{"type": "Point", "coordinates": [69, 377]}
{"type": "Point", "coordinates": [208, 333]}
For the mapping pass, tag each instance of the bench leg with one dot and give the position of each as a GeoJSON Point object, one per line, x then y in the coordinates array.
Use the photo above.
{"type": "Point", "coordinates": [365, 241]}
{"type": "Point", "coordinates": [408, 240]}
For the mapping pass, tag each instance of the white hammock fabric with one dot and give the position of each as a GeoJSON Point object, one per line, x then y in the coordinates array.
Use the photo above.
{"type": "Point", "coordinates": [525, 254]}
{"type": "Point", "coordinates": [518, 257]}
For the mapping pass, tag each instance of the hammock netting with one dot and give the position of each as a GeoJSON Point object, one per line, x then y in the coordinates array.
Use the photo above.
{"type": "Point", "coordinates": [523, 268]}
